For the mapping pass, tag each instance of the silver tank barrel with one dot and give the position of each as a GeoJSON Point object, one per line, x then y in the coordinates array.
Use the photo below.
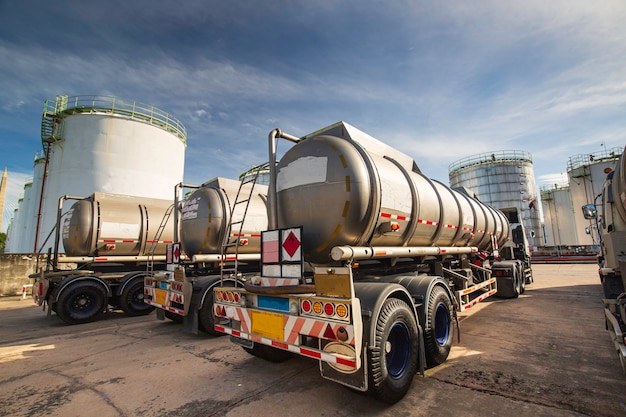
{"type": "Point", "coordinates": [348, 189]}
{"type": "Point", "coordinates": [619, 185]}
{"type": "Point", "coordinates": [205, 216]}
{"type": "Point", "coordinates": [115, 225]}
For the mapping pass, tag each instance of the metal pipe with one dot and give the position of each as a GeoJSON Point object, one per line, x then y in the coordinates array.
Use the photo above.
{"type": "Point", "coordinates": [57, 234]}
{"type": "Point", "coordinates": [344, 253]}
{"type": "Point", "coordinates": [216, 257]}
{"type": "Point", "coordinates": [272, 207]}
{"type": "Point", "coordinates": [114, 258]}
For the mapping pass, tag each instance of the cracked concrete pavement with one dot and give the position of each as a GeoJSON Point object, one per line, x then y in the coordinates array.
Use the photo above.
{"type": "Point", "coordinates": [544, 354]}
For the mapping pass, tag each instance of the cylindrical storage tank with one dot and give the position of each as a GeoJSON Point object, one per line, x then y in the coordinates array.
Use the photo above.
{"type": "Point", "coordinates": [558, 216]}
{"type": "Point", "coordinates": [38, 174]}
{"type": "Point", "coordinates": [17, 226]}
{"type": "Point", "coordinates": [347, 188]}
{"type": "Point", "coordinates": [502, 179]}
{"type": "Point", "coordinates": [586, 174]}
{"type": "Point", "coordinates": [27, 212]}
{"type": "Point", "coordinates": [205, 216]}
{"type": "Point", "coordinates": [109, 225]}
{"type": "Point", "coordinates": [111, 145]}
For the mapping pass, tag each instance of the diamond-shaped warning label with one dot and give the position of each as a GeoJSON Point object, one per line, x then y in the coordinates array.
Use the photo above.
{"type": "Point", "coordinates": [291, 244]}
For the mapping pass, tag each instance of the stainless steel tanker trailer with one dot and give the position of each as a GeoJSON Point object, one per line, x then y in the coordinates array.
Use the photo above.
{"type": "Point", "coordinates": [220, 242]}
{"type": "Point", "coordinates": [365, 263]}
{"type": "Point", "coordinates": [611, 230]}
{"type": "Point", "coordinates": [110, 239]}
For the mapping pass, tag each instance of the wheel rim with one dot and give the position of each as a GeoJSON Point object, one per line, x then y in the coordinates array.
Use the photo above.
{"type": "Point", "coordinates": [136, 298]}
{"type": "Point", "coordinates": [397, 350]}
{"type": "Point", "coordinates": [442, 324]}
{"type": "Point", "coordinates": [83, 303]}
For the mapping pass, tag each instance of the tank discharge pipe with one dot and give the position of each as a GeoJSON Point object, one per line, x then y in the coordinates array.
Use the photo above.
{"type": "Point", "coordinates": [344, 253]}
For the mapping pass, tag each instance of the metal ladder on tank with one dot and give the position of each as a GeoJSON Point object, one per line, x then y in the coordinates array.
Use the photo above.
{"type": "Point", "coordinates": [155, 241]}
{"type": "Point", "coordinates": [241, 198]}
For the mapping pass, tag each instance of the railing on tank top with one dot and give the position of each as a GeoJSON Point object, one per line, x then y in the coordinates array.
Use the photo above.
{"type": "Point", "coordinates": [110, 105]}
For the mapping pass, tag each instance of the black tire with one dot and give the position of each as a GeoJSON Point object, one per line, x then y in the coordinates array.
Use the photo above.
{"type": "Point", "coordinates": [269, 353]}
{"type": "Point", "coordinates": [439, 336]}
{"type": "Point", "coordinates": [393, 360]}
{"type": "Point", "coordinates": [81, 302]}
{"type": "Point", "coordinates": [173, 316]}
{"type": "Point", "coordinates": [206, 320]}
{"type": "Point", "coordinates": [131, 299]}
{"type": "Point", "coordinates": [522, 278]}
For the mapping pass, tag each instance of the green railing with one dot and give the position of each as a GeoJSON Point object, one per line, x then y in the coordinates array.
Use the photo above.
{"type": "Point", "coordinates": [55, 109]}
{"type": "Point", "coordinates": [489, 157]}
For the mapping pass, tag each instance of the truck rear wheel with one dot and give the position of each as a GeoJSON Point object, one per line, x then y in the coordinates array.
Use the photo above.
{"type": "Point", "coordinates": [268, 353]}
{"type": "Point", "coordinates": [81, 302]}
{"type": "Point", "coordinates": [131, 300]}
{"type": "Point", "coordinates": [394, 358]}
{"type": "Point", "coordinates": [174, 317]}
{"type": "Point", "coordinates": [438, 338]}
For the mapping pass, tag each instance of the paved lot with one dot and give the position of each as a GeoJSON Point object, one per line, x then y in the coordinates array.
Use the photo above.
{"type": "Point", "coordinates": [544, 354]}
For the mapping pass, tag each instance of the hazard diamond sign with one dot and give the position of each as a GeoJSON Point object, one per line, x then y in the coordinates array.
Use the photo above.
{"type": "Point", "coordinates": [176, 253]}
{"type": "Point", "coordinates": [291, 245]}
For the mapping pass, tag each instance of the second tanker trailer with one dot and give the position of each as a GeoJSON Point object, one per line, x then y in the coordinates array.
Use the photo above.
{"type": "Point", "coordinates": [212, 247]}
{"type": "Point", "coordinates": [366, 262]}
{"type": "Point", "coordinates": [110, 238]}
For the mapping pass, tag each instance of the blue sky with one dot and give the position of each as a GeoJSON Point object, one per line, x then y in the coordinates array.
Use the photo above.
{"type": "Point", "coordinates": [439, 80]}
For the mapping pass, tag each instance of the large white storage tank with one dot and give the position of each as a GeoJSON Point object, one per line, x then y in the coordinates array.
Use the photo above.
{"type": "Point", "coordinates": [24, 222]}
{"type": "Point", "coordinates": [502, 179]}
{"type": "Point", "coordinates": [558, 216]}
{"type": "Point", "coordinates": [107, 144]}
{"type": "Point", "coordinates": [586, 174]}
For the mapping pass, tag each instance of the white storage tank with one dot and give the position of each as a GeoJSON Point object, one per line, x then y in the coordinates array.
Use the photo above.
{"type": "Point", "coordinates": [110, 145]}
{"type": "Point", "coordinates": [586, 174]}
{"type": "Point", "coordinates": [502, 179]}
{"type": "Point", "coordinates": [558, 216]}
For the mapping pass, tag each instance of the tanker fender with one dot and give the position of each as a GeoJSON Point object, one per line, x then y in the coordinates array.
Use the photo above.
{"type": "Point", "coordinates": [420, 287]}
{"type": "Point", "coordinates": [508, 276]}
{"type": "Point", "coordinates": [372, 296]}
{"type": "Point", "coordinates": [126, 279]}
{"type": "Point", "coordinates": [203, 291]}
{"type": "Point", "coordinates": [69, 281]}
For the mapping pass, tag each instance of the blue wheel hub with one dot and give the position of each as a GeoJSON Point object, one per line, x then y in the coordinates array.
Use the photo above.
{"type": "Point", "coordinates": [442, 324]}
{"type": "Point", "coordinates": [397, 350]}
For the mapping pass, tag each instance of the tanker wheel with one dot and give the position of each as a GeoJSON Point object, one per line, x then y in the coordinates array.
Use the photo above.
{"type": "Point", "coordinates": [131, 300]}
{"type": "Point", "coordinates": [269, 353]}
{"type": "Point", "coordinates": [173, 316]}
{"type": "Point", "coordinates": [393, 360]}
{"type": "Point", "coordinates": [438, 338]}
{"type": "Point", "coordinates": [206, 320]}
{"type": "Point", "coordinates": [82, 302]}
{"type": "Point", "coordinates": [522, 279]}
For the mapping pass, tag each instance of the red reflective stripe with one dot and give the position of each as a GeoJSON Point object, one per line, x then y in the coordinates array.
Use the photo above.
{"type": "Point", "coordinates": [346, 362]}
{"type": "Point", "coordinates": [311, 353]}
{"type": "Point", "coordinates": [280, 344]}
{"type": "Point", "coordinates": [108, 240]}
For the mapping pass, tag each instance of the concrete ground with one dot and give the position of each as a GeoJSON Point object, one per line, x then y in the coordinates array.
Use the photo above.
{"type": "Point", "coordinates": [544, 354]}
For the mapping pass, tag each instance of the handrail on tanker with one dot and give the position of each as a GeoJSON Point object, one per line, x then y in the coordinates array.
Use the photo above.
{"type": "Point", "coordinates": [272, 209]}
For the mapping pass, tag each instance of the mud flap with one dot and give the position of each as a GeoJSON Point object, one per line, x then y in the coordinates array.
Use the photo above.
{"type": "Point", "coordinates": [160, 314]}
{"type": "Point", "coordinates": [190, 321]}
{"type": "Point", "coordinates": [356, 380]}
